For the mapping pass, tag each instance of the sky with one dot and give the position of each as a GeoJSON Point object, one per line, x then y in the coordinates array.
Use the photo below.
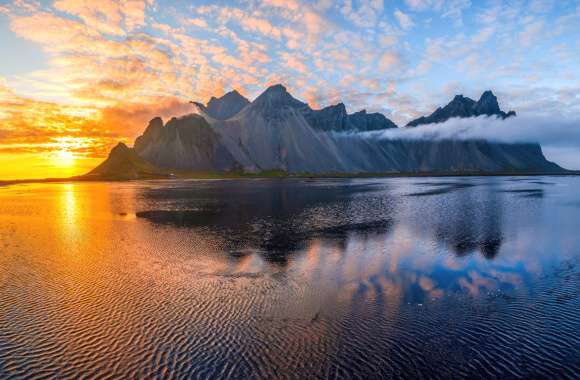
{"type": "Point", "coordinates": [77, 76]}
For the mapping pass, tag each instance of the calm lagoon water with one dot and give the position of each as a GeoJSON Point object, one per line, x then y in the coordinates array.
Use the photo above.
{"type": "Point", "coordinates": [394, 278]}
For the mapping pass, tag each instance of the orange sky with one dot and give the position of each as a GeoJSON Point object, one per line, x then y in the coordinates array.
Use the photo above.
{"type": "Point", "coordinates": [99, 80]}
{"type": "Point", "coordinates": [43, 139]}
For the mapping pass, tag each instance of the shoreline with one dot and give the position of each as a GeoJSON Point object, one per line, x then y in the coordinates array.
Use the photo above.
{"type": "Point", "coordinates": [281, 175]}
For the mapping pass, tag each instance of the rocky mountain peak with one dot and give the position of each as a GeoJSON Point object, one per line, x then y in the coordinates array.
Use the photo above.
{"type": "Point", "coordinates": [462, 100]}
{"type": "Point", "coordinates": [154, 127]}
{"type": "Point", "coordinates": [276, 88]}
{"type": "Point", "coordinates": [276, 91]}
{"type": "Point", "coordinates": [124, 163]}
{"type": "Point", "coordinates": [224, 107]}
{"type": "Point", "coordinates": [487, 104]}
{"type": "Point", "coordinates": [156, 122]}
{"type": "Point", "coordinates": [487, 94]}
{"type": "Point", "coordinates": [119, 149]}
{"type": "Point", "coordinates": [462, 106]}
{"type": "Point", "coordinates": [276, 98]}
{"type": "Point", "coordinates": [338, 109]}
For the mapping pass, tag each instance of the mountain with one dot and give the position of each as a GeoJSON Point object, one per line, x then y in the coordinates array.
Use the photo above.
{"type": "Point", "coordinates": [225, 107]}
{"type": "Point", "coordinates": [124, 163]}
{"type": "Point", "coordinates": [462, 106]}
{"type": "Point", "coordinates": [278, 99]}
{"type": "Point", "coordinates": [273, 133]}
{"type": "Point", "coordinates": [185, 143]}
{"type": "Point", "coordinates": [279, 132]}
{"type": "Point", "coordinates": [276, 102]}
{"type": "Point", "coordinates": [335, 118]}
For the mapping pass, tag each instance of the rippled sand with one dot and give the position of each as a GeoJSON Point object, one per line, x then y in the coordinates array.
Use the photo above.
{"type": "Point", "coordinates": [396, 278]}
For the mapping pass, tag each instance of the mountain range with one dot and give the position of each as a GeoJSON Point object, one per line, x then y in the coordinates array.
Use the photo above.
{"type": "Point", "coordinates": [462, 106]}
{"type": "Point", "coordinates": [279, 132]}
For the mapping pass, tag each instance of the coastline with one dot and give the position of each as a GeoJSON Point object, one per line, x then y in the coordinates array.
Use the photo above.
{"type": "Point", "coordinates": [284, 175]}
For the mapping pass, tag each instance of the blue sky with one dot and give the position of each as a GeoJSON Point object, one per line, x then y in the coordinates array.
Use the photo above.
{"type": "Point", "coordinates": [403, 58]}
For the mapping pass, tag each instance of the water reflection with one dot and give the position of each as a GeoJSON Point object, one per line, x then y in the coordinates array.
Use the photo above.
{"type": "Point", "coordinates": [474, 223]}
{"type": "Point", "coordinates": [367, 236]}
{"type": "Point", "coordinates": [363, 235]}
{"type": "Point", "coordinates": [275, 217]}
{"type": "Point", "coordinates": [280, 218]}
{"type": "Point", "coordinates": [371, 278]}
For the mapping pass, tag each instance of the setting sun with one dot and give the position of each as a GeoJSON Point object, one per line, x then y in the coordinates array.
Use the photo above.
{"type": "Point", "coordinates": [66, 146]}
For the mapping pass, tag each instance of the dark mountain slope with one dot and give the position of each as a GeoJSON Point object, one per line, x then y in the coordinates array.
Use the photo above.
{"type": "Point", "coordinates": [335, 118]}
{"type": "Point", "coordinates": [186, 143]}
{"type": "Point", "coordinates": [124, 163]}
{"type": "Point", "coordinates": [279, 132]}
{"type": "Point", "coordinates": [462, 106]}
{"type": "Point", "coordinates": [224, 107]}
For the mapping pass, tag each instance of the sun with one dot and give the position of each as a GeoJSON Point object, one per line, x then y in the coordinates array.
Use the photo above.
{"type": "Point", "coordinates": [64, 158]}
{"type": "Point", "coordinates": [64, 153]}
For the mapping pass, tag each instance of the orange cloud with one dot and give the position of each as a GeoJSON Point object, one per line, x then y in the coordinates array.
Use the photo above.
{"type": "Point", "coordinates": [106, 16]}
{"type": "Point", "coordinates": [31, 126]}
{"type": "Point", "coordinates": [293, 62]}
{"type": "Point", "coordinates": [199, 22]}
{"type": "Point", "coordinates": [288, 4]}
{"type": "Point", "coordinates": [388, 60]}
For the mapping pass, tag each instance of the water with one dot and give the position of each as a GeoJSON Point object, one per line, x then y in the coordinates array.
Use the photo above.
{"type": "Point", "coordinates": [409, 277]}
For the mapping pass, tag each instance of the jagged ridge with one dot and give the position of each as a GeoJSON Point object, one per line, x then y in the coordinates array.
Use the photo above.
{"type": "Point", "coordinates": [224, 107]}
{"type": "Point", "coordinates": [462, 106]}
{"type": "Point", "coordinates": [187, 143]}
{"type": "Point", "coordinates": [278, 132]}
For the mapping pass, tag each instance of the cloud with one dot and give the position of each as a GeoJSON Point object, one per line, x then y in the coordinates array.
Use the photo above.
{"type": "Point", "coordinates": [556, 133]}
{"type": "Point", "coordinates": [106, 16]}
{"type": "Point", "coordinates": [454, 9]}
{"type": "Point", "coordinates": [28, 125]}
{"type": "Point", "coordinates": [199, 22]}
{"type": "Point", "coordinates": [483, 35]}
{"type": "Point", "coordinates": [530, 32]}
{"type": "Point", "coordinates": [388, 60]}
{"type": "Point", "coordinates": [541, 6]}
{"type": "Point", "coordinates": [420, 5]}
{"type": "Point", "coordinates": [404, 20]}
{"type": "Point", "coordinates": [293, 62]}
{"type": "Point", "coordinates": [367, 13]}
{"type": "Point", "coordinates": [261, 25]}
{"type": "Point", "coordinates": [134, 12]}
{"type": "Point", "coordinates": [289, 4]}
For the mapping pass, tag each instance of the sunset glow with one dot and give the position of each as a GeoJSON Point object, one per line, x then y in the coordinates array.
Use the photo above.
{"type": "Point", "coordinates": [79, 76]}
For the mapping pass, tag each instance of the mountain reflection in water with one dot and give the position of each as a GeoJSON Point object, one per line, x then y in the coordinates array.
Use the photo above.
{"type": "Point", "coordinates": [407, 277]}
{"type": "Point", "coordinates": [277, 218]}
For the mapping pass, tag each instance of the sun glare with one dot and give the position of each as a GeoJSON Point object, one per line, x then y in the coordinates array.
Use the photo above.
{"type": "Point", "coordinates": [64, 154]}
{"type": "Point", "coordinates": [65, 157]}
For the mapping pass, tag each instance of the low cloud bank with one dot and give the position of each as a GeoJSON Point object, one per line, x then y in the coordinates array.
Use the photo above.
{"type": "Point", "coordinates": [562, 132]}
{"type": "Point", "coordinates": [558, 136]}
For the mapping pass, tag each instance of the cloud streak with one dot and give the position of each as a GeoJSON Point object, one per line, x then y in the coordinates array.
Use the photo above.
{"type": "Point", "coordinates": [553, 131]}
{"type": "Point", "coordinates": [556, 134]}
